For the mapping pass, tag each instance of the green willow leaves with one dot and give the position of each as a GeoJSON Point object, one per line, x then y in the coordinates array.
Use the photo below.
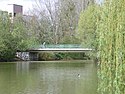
{"type": "Point", "coordinates": [111, 38]}
{"type": "Point", "coordinates": [107, 23]}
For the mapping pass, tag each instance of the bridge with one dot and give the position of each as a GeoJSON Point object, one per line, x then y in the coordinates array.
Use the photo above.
{"type": "Point", "coordinates": [33, 53]}
{"type": "Point", "coordinates": [60, 48]}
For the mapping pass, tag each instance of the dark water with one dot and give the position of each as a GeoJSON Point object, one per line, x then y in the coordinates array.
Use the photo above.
{"type": "Point", "coordinates": [48, 78]}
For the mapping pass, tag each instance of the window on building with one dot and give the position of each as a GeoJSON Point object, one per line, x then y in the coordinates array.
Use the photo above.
{"type": "Point", "coordinates": [10, 14]}
{"type": "Point", "coordinates": [14, 14]}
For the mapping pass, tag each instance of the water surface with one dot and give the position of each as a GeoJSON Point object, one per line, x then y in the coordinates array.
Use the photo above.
{"type": "Point", "coordinates": [48, 78]}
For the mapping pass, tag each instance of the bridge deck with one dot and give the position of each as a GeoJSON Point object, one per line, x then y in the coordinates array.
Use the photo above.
{"type": "Point", "coordinates": [61, 50]}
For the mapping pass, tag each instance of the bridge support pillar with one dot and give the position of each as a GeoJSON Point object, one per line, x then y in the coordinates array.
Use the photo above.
{"type": "Point", "coordinates": [33, 56]}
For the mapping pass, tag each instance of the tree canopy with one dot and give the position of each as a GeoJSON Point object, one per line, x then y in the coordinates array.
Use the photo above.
{"type": "Point", "coordinates": [13, 36]}
{"type": "Point", "coordinates": [87, 26]}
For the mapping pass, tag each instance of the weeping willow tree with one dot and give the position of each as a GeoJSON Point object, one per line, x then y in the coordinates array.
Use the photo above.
{"type": "Point", "coordinates": [111, 46]}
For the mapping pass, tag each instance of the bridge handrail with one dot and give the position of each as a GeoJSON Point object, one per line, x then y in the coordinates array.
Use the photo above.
{"type": "Point", "coordinates": [61, 46]}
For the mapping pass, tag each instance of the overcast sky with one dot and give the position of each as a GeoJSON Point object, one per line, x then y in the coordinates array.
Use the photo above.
{"type": "Point", "coordinates": [27, 4]}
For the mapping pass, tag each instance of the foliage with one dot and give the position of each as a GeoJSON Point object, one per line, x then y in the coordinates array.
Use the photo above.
{"type": "Point", "coordinates": [13, 36]}
{"type": "Point", "coordinates": [22, 33]}
{"type": "Point", "coordinates": [111, 46]}
{"type": "Point", "coordinates": [7, 50]}
{"type": "Point", "coordinates": [71, 56]}
{"type": "Point", "coordinates": [62, 56]}
{"type": "Point", "coordinates": [106, 31]}
{"type": "Point", "coordinates": [46, 56]}
{"type": "Point", "coordinates": [58, 21]}
{"type": "Point", "coordinates": [87, 26]}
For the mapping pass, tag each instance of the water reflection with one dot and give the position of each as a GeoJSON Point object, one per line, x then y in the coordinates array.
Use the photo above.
{"type": "Point", "coordinates": [22, 67]}
{"type": "Point", "coordinates": [48, 78]}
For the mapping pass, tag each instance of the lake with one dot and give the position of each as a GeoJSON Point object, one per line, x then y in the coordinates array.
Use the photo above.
{"type": "Point", "coordinates": [56, 77]}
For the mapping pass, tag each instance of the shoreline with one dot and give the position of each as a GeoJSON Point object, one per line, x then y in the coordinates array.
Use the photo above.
{"type": "Point", "coordinates": [52, 61]}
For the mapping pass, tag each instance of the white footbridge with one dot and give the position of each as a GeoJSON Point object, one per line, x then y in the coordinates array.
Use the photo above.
{"type": "Point", "coordinates": [60, 48]}
{"type": "Point", "coordinates": [34, 52]}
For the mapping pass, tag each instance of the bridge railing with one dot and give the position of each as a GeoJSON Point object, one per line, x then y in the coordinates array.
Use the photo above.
{"type": "Point", "coordinates": [61, 46]}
